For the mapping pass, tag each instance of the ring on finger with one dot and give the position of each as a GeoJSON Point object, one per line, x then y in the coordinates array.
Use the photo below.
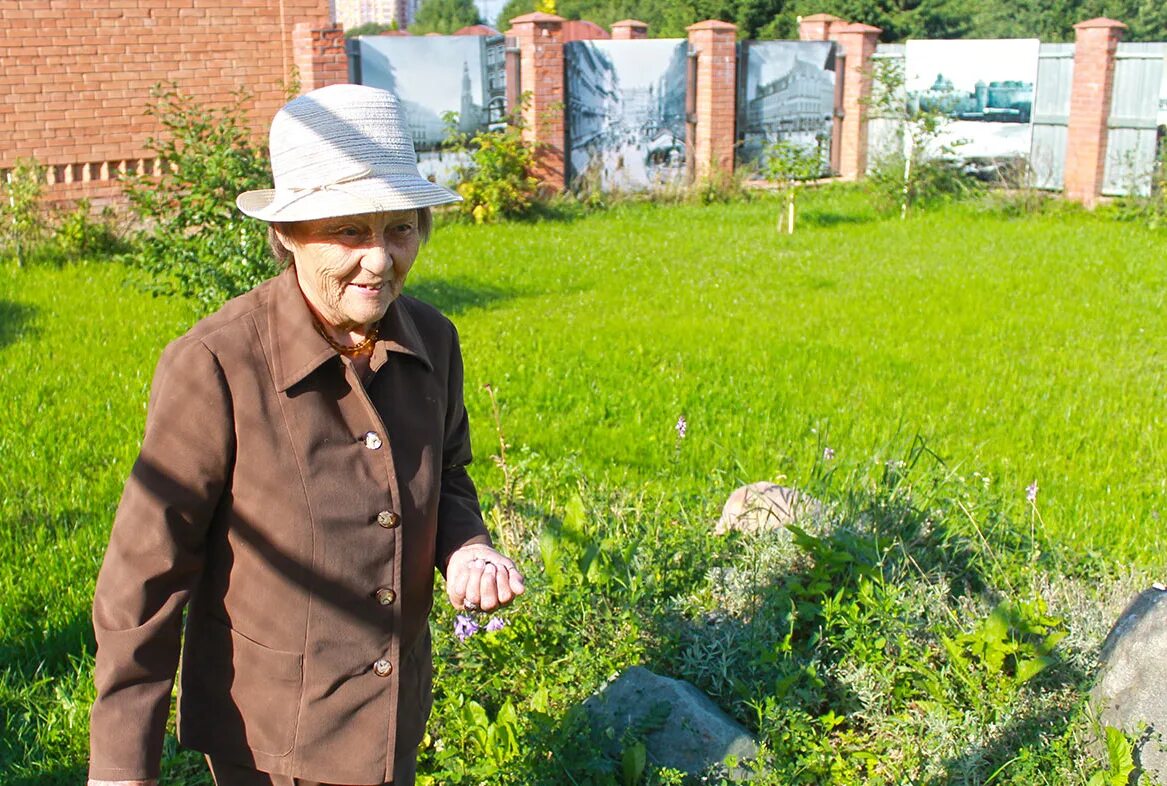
{"type": "Point", "coordinates": [470, 605]}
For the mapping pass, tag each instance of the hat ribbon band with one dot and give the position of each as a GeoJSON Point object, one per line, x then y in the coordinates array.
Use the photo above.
{"type": "Point", "coordinates": [295, 194]}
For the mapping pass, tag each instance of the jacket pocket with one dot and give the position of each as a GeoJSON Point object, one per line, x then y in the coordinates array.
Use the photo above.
{"type": "Point", "coordinates": [266, 689]}
{"type": "Point", "coordinates": [237, 693]}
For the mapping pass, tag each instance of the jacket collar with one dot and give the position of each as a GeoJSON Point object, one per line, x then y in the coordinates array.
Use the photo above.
{"type": "Point", "coordinates": [298, 349]}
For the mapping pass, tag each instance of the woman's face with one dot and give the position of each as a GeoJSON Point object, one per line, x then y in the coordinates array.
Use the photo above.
{"type": "Point", "coordinates": [351, 268]}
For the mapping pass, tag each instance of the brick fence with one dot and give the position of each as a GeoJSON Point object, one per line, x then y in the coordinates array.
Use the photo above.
{"type": "Point", "coordinates": [75, 80]}
{"type": "Point", "coordinates": [75, 76]}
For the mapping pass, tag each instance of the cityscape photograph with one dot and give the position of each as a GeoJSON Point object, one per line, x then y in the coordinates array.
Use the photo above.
{"type": "Point", "coordinates": [626, 112]}
{"type": "Point", "coordinates": [787, 95]}
{"type": "Point", "coordinates": [985, 87]}
{"type": "Point", "coordinates": [435, 75]}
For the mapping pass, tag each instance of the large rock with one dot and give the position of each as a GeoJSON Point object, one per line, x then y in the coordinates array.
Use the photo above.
{"type": "Point", "coordinates": [765, 506]}
{"type": "Point", "coordinates": [689, 732]}
{"type": "Point", "coordinates": [1131, 692]}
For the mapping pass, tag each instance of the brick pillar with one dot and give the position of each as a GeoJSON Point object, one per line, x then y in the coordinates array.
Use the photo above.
{"type": "Point", "coordinates": [1095, 44]}
{"type": "Point", "coordinates": [539, 37]}
{"type": "Point", "coordinates": [818, 27]}
{"type": "Point", "coordinates": [858, 44]}
{"type": "Point", "coordinates": [318, 51]}
{"type": "Point", "coordinates": [821, 27]}
{"type": "Point", "coordinates": [629, 29]}
{"type": "Point", "coordinates": [713, 138]}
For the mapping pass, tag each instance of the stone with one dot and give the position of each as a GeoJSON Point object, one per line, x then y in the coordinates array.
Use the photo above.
{"type": "Point", "coordinates": [765, 506]}
{"type": "Point", "coordinates": [1130, 692]}
{"type": "Point", "coordinates": [686, 730]}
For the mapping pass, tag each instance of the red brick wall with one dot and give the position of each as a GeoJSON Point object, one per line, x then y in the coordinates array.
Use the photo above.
{"type": "Point", "coordinates": [319, 54]}
{"type": "Point", "coordinates": [75, 75]}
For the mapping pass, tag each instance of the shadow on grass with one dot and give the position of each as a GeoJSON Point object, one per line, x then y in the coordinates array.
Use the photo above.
{"type": "Point", "coordinates": [14, 322]}
{"type": "Point", "coordinates": [453, 296]}
{"type": "Point", "coordinates": [829, 218]}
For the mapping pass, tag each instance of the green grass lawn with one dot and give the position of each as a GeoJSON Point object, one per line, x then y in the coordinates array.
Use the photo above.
{"type": "Point", "coordinates": [1024, 349]}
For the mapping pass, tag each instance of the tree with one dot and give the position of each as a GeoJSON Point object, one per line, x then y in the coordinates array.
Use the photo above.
{"type": "Point", "coordinates": [369, 28]}
{"type": "Point", "coordinates": [512, 9]}
{"type": "Point", "coordinates": [444, 16]}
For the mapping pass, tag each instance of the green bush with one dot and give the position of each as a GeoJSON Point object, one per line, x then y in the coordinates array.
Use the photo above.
{"type": "Point", "coordinates": [921, 168]}
{"type": "Point", "coordinates": [497, 182]}
{"type": "Point", "coordinates": [33, 231]}
{"type": "Point", "coordinates": [23, 220]}
{"type": "Point", "coordinates": [78, 233]}
{"type": "Point", "coordinates": [199, 244]}
{"type": "Point", "coordinates": [791, 165]}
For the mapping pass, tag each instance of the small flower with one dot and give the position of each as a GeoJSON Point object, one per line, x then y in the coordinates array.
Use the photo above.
{"type": "Point", "coordinates": [464, 627]}
{"type": "Point", "coordinates": [1031, 492]}
{"type": "Point", "coordinates": [828, 454]}
{"type": "Point", "coordinates": [681, 427]}
{"type": "Point", "coordinates": [496, 623]}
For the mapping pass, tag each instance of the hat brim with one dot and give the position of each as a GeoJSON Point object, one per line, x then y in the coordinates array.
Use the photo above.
{"type": "Point", "coordinates": [369, 195]}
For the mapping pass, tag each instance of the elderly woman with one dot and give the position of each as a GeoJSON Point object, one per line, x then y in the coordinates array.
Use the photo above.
{"type": "Point", "coordinates": [302, 474]}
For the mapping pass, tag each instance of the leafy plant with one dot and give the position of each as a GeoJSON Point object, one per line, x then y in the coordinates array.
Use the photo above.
{"type": "Point", "coordinates": [1119, 758]}
{"type": "Point", "coordinates": [497, 182]}
{"type": "Point", "coordinates": [919, 167]}
{"type": "Point", "coordinates": [791, 165]}
{"type": "Point", "coordinates": [23, 223]}
{"type": "Point", "coordinates": [199, 245]}
{"type": "Point", "coordinates": [78, 233]}
{"type": "Point", "coordinates": [1016, 639]}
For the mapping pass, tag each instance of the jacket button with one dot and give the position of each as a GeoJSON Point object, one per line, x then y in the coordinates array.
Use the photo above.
{"type": "Point", "coordinates": [385, 596]}
{"type": "Point", "coordinates": [382, 668]}
{"type": "Point", "coordinates": [371, 440]}
{"type": "Point", "coordinates": [388, 519]}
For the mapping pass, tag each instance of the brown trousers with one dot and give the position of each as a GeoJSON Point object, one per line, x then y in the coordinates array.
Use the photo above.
{"type": "Point", "coordinates": [230, 774]}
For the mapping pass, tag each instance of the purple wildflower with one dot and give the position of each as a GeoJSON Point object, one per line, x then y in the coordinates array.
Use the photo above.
{"type": "Point", "coordinates": [828, 454]}
{"type": "Point", "coordinates": [496, 623]}
{"type": "Point", "coordinates": [681, 427]}
{"type": "Point", "coordinates": [464, 627]}
{"type": "Point", "coordinates": [1031, 492]}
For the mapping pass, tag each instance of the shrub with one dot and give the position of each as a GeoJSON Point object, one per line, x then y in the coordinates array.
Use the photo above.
{"type": "Point", "coordinates": [23, 221]}
{"type": "Point", "coordinates": [78, 233]}
{"type": "Point", "coordinates": [1152, 208]}
{"type": "Point", "coordinates": [790, 165]}
{"type": "Point", "coordinates": [920, 168]}
{"type": "Point", "coordinates": [32, 231]}
{"type": "Point", "coordinates": [200, 245]}
{"type": "Point", "coordinates": [497, 182]}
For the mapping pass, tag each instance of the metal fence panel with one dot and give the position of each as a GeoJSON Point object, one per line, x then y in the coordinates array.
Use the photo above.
{"type": "Point", "coordinates": [1130, 143]}
{"type": "Point", "coordinates": [1051, 116]}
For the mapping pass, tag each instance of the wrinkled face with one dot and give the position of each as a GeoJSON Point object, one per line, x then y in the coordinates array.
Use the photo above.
{"type": "Point", "coordinates": [351, 268]}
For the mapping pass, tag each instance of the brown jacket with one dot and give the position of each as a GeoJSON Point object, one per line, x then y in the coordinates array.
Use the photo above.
{"type": "Point", "coordinates": [299, 517]}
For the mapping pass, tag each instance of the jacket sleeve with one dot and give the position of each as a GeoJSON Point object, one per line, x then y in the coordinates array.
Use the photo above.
{"type": "Point", "coordinates": [155, 555]}
{"type": "Point", "coordinates": [459, 514]}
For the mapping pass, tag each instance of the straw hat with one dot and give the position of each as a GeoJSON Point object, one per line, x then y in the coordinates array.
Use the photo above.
{"type": "Point", "coordinates": [339, 151]}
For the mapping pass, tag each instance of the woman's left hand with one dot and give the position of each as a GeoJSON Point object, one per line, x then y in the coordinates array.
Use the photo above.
{"type": "Point", "coordinates": [478, 578]}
